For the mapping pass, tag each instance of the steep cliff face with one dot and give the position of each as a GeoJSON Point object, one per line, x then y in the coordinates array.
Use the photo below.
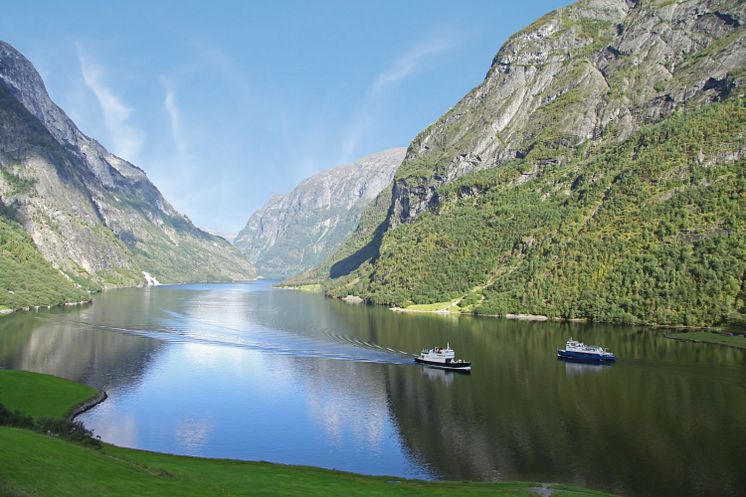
{"type": "Point", "coordinates": [93, 216]}
{"type": "Point", "coordinates": [297, 230]}
{"type": "Point", "coordinates": [570, 182]}
{"type": "Point", "coordinates": [596, 70]}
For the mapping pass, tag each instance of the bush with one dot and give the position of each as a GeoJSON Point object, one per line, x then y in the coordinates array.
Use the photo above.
{"type": "Point", "coordinates": [73, 431]}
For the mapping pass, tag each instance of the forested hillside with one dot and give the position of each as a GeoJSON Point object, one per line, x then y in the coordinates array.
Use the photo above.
{"type": "Point", "coordinates": [27, 279]}
{"type": "Point", "coordinates": [651, 230]}
{"type": "Point", "coordinates": [596, 172]}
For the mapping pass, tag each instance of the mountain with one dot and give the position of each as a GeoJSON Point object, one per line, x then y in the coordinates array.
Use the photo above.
{"type": "Point", "coordinates": [295, 231]}
{"type": "Point", "coordinates": [94, 217]}
{"type": "Point", "coordinates": [596, 172]}
{"type": "Point", "coordinates": [228, 235]}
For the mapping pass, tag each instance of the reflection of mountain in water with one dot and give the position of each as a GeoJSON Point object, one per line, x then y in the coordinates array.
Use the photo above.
{"type": "Point", "coordinates": [524, 415]}
{"type": "Point", "coordinates": [666, 419]}
{"type": "Point", "coordinates": [531, 419]}
{"type": "Point", "coordinates": [79, 345]}
{"type": "Point", "coordinates": [339, 394]}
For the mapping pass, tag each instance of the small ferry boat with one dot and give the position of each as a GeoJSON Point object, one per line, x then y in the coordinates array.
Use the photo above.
{"type": "Point", "coordinates": [444, 358]}
{"type": "Point", "coordinates": [578, 351]}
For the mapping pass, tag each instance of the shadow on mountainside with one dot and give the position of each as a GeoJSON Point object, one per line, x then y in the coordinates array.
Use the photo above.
{"type": "Point", "coordinates": [369, 252]}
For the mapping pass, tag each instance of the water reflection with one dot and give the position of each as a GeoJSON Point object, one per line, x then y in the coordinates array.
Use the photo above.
{"type": "Point", "coordinates": [192, 435]}
{"type": "Point", "coordinates": [245, 371]}
{"type": "Point", "coordinates": [578, 368]}
{"type": "Point", "coordinates": [441, 375]}
{"type": "Point", "coordinates": [63, 344]}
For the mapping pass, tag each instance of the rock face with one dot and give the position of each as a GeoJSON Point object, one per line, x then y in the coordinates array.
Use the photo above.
{"type": "Point", "coordinates": [578, 75]}
{"type": "Point", "coordinates": [297, 230]}
{"type": "Point", "coordinates": [93, 215]}
{"type": "Point", "coordinates": [546, 188]}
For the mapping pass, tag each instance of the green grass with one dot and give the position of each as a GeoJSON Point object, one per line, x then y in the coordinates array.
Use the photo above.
{"type": "Point", "coordinates": [32, 464]}
{"type": "Point", "coordinates": [437, 306]}
{"type": "Point", "coordinates": [710, 337]}
{"type": "Point", "coordinates": [310, 288]}
{"type": "Point", "coordinates": [39, 395]}
{"type": "Point", "coordinates": [72, 470]}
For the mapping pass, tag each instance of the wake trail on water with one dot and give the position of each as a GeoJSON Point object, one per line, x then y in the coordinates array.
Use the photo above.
{"type": "Point", "coordinates": [324, 345]}
{"type": "Point", "coordinates": [372, 346]}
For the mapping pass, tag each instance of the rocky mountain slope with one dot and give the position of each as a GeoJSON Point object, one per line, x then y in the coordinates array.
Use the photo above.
{"type": "Point", "coordinates": [295, 231]}
{"type": "Point", "coordinates": [597, 171]}
{"type": "Point", "coordinates": [93, 216]}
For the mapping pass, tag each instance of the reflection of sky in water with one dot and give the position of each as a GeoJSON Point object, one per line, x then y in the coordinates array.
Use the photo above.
{"type": "Point", "coordinates": [192, 435]}
{"type": "Point", "coordinates": [225, 316]}
{"type": "Point", "coordinates": [228, 387]}
{"type": "Point", "coordinates": [579, 368]}
{"type": "Point", "coordinates": [247, 372]}
{"type": "Point", "coordinates": [440, 375]}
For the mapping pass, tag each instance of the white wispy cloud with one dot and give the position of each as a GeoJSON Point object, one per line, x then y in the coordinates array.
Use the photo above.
{"type": "Point", "coordinates": [171, 107]}
{"type": "Point", "coordinates": [409, 63]}
{"type": "Point", "coordinates": [126, 139]}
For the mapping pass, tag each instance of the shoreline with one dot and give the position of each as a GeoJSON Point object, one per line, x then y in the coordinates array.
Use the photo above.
{"type": "Point", "coordinates": [514, 316]}
{"type": "Point", "coordinates": [87, 405]}
{"type": "Point", "coordinates": [700, 339]}
{"type": "Point", "coordinates": [29, 308]}
{"type": "Point", "coordinates": [36, 307]}
{"type": "Point", "coordinates": [683, 329]}
{"type": "Point", "coordinates": [445, 311]}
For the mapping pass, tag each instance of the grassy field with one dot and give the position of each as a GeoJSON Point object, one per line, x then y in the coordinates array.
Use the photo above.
{"type": "Point", "coordinates": [39, 395]}
{"type": "Point", "coordinates": [310, 288]}
{"type": "Point", "coordinates": [710, 337]}
{"type": "Point", "coordinates": [438, 306]}
{"type": "Point", "coordinates": [32, 464]}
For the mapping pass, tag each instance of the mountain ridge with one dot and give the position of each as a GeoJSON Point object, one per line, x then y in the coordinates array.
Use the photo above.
{"type": "Point", "coordinates": [94, 216]}
{"type": "Point", "coordinates": [296, 230]}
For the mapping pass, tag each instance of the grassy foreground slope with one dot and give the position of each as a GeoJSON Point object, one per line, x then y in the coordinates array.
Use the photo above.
{"type": "Point", "coordinates": [39, 395]}
{"type": "Point", "coordinates": [32, 464]}
{"type": "Point", "coordinates": [649, 230]}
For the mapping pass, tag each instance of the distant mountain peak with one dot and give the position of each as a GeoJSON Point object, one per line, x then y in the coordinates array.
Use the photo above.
{"type": "Point", "coordinates": [296, 230]}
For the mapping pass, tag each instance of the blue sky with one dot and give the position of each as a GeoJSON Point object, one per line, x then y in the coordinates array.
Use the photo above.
{"type": "Point", "coordinates": [224, 104]}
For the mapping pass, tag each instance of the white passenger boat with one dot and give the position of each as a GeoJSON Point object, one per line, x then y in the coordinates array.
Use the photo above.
{"type": "Point", "coordinates": [444, 358]}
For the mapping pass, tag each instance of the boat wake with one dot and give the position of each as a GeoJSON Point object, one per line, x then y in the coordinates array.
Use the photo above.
{"type": "Point", "coordinates": [368, 345]}
{"type": "Point", "coordinates": [324, 344]}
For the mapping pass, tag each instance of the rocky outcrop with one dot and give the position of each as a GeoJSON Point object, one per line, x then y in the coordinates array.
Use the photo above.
{"type": "Point", "coordinates": [94, 216]}
{"type": "Point", "coordinates": [297, 230]}
{"type": "Point", "coordinates": [596, 70]}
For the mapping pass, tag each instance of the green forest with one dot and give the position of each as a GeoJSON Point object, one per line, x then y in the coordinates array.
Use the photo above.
{"type": "Point", "coordinates": [26, 278]}
{"type": "Point", "coordinates": [649, 230]}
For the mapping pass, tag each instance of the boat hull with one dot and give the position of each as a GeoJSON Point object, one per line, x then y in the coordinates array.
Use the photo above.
{"type": "Point", "coordinates": [569, 355]}
{"type": "Point", "coordinates": [453, 366]}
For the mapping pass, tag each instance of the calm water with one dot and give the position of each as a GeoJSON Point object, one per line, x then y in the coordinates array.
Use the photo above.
{"type": "Point", "coordinates": [249, 372]}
